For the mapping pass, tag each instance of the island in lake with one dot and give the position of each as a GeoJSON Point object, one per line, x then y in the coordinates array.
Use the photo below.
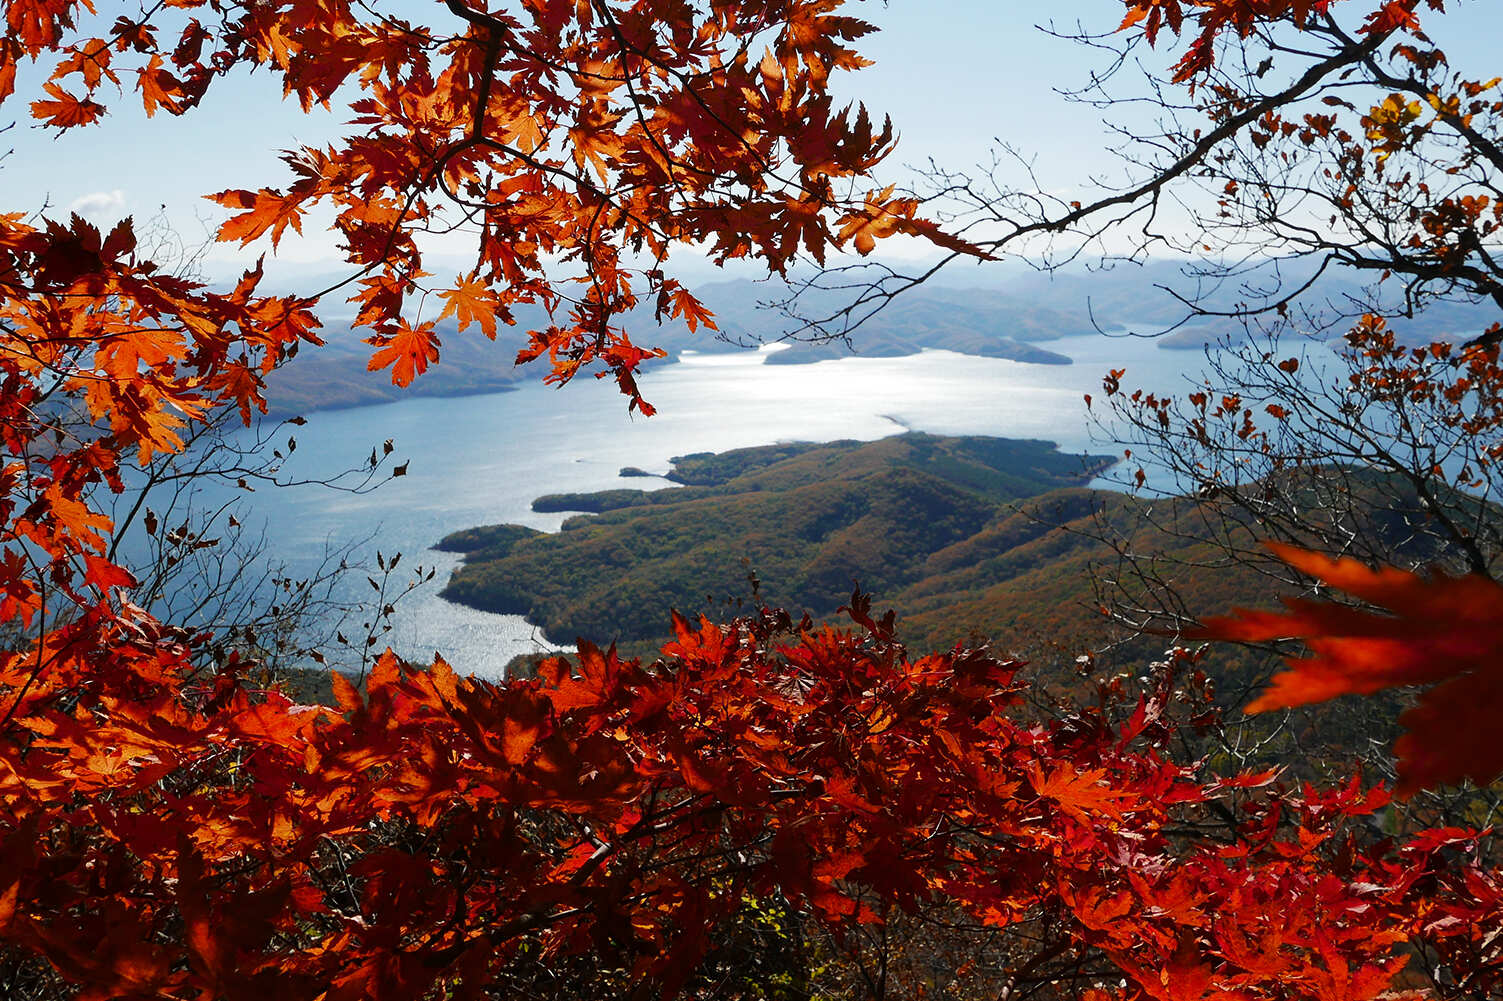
{"type": "Point", "coordinates": [1010, 319]}
{"type": "Point", "coordinates": [979, 322]}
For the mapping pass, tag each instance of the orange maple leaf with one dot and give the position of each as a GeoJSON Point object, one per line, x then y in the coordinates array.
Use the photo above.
{"type": "Point", "coordinates": [159, 88]}
{"type": "Point", "coordinates": [64, 110]}
{"type": "Point", "coordinates": [1436, 630]}
{"type": "Point", "coordinates": [409, 351]}
{"type": "Point", "coordinates": [471, 301]}
{"type": "Point", "coordinates": [1079, 793]}
{"type": "Point", "coordinates": [265, 210]}
{"type": "Point", "coordinates": [692, 311]}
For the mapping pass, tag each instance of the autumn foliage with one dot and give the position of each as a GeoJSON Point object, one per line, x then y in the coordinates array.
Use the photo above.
{"type": "Point", "coordinates": [1436, 631]}
{"type": "Point", "coordinates": [579, 142]}
{"type": "Point", "coordinates": [217, 841]}
{"type": "Point", "coordinates": [174, 829]}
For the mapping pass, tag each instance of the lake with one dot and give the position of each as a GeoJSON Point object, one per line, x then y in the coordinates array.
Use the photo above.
{"type": "Point", "coordinates": [483, 459]}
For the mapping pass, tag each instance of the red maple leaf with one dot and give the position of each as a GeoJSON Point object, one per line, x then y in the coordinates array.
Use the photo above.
{"type": "Point", "coordinates": [1426, 630]}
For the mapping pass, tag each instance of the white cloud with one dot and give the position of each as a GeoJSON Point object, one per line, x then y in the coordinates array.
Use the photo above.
{"type": "Point", "coordinates": [99, 206]}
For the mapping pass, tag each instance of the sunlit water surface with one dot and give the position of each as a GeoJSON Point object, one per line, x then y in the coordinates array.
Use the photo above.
{"type": "Point", "coordinates": [482, 459]}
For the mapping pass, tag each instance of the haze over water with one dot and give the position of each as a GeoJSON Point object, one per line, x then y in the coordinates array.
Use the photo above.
{"type": "Point", "coordinates": [481, 460]}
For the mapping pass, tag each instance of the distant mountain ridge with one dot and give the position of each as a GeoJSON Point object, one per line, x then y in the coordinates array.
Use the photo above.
{"type": "Point", "coordinates": [1007, 320]}
{"type": "Point", "coordinates": [979, 323]}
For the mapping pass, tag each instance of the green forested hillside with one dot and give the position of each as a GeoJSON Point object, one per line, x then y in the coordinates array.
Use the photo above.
{"type": "Point", "coordinates": [969, 539]}
{"type": "Point", "coordinates": [1037, 576]}
{"type": "Point", "coordinates": [800, 524]}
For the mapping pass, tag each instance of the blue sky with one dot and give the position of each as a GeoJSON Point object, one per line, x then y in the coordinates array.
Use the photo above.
{"type": "Point", "coordinates": [956, 76]}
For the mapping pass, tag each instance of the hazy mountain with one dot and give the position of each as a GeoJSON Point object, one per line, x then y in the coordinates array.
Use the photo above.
{"type": "Point", "coordinates": [981, 323]}
{"type": "Point", "coordinates": [1006, 320]}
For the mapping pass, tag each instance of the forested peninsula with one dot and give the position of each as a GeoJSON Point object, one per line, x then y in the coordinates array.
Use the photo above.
{"type": "Point", "coordinates": [969, 536]}
{"type": "Point", "coordinates": [973, 539]}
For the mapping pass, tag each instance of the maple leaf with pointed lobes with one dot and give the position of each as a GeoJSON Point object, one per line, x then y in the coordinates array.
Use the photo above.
{"type": "Point", "coordinates": [471, 301]}
{"type": "Point", "coordinates": [65, 111]}
{"type": "Point", "coordinates": [265, 210]}
{"type": "Point", "coordinates": [1393, 15]}
{"type": "Point", "coordinates": [409, 351]}
{"type": "Point", "coordinates": [689, 308]}
{"type": "Point", "coordinates": [598, 683]}
{"type": "Point", "coordinates": [883, 216]}
{"type": "Point", "coordinates": [159, 88]}
{"type": "Point", "coordinates": [91, 60]}
{"type": "Point", "coordinates": [812, 36]}
{"type": "Point", "coordinates": [1079, 794]}
{"type": "Point", "coordinates": [1437, 630]}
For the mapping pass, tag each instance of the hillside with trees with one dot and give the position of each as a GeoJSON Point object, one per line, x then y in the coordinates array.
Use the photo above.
{"type": "Point", "coordinates": [806, 523]}
{"type": "Point", "coordinates": [972, 540]}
